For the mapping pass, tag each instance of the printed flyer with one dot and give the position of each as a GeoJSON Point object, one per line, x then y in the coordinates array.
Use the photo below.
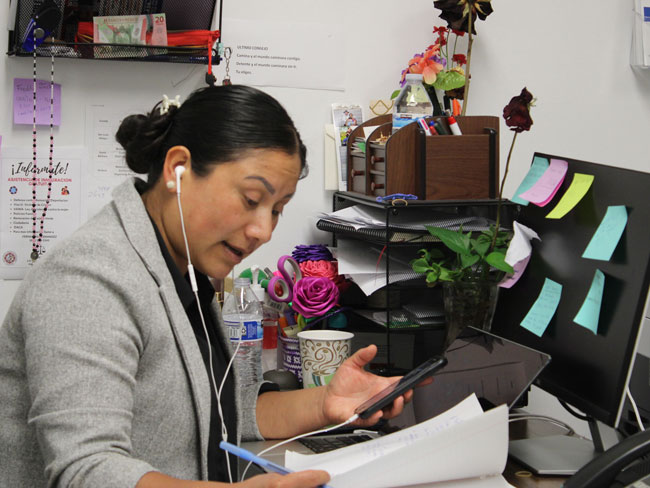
{"type": "Point", "coordinates": [23, 210]}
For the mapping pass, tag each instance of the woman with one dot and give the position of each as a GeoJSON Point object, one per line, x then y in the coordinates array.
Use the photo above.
{"type": "Point", "coordinates": [104, 373]}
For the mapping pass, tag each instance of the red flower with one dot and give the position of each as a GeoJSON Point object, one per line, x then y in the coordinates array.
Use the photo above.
{"type": "Point", "coordinates": [517, 112]}
{"type": "Point", "coordinates": [460, 59]}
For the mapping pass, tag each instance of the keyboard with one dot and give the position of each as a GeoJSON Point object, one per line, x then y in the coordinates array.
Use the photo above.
{"type": "Point", "coordinates": [329, 443]}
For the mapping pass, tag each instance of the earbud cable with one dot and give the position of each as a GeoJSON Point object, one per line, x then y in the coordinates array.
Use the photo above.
{"type": "Point", "coordinates": [190, 270]}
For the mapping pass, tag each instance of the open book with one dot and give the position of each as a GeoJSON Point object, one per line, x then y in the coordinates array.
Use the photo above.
{"type": "Point", "coordinates": [463, 446]}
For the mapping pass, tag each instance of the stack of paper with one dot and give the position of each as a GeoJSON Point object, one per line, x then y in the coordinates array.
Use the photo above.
{"type": "Point", "coordinates": [463, 446]}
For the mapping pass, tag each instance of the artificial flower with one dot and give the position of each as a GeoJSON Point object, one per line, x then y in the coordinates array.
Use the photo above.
{"type": "Point", "coordinates": [517, 112]}
{"type": "Point", "coordinates": [456, 12]}
{"type": "Point", "coordinates": [314, 297]}
{"type": "Point", "coordinates": [311, 252]}
{"type": "Point", "coordinates": [428, 64]}
{"type": "Point", "coordinates": [321, 269]}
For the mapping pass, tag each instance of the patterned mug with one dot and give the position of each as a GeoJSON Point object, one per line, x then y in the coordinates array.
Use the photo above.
{"type": "Point", "coordinates": [321, 353]}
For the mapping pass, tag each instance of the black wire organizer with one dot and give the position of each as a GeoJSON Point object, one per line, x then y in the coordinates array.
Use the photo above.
{"type": "Point", "coordinates": [400, 299]}
{"type": "Point", "coordinates": [72, 35]}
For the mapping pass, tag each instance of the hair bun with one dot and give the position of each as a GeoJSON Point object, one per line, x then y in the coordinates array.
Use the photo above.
{"type": "Point", "coordinates": [127, 135]}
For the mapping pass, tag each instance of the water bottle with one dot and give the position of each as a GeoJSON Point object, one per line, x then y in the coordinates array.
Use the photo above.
{"type": "Point", "coordinates": [412, 102]}
{"type": "Point", "coordinates": [269, 325]}
{"type": "Point", "coordinates": [242, 314]}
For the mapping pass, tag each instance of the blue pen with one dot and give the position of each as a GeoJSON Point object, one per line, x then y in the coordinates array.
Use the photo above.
{"type": "Point", "coordinates": [249, 456]}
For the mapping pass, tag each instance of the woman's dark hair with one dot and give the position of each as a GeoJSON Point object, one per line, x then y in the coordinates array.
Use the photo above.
{"type": "Point", "coordinates": [217, 124]}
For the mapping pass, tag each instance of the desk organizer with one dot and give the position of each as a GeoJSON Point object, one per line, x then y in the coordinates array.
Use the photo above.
{"type": "Point", "coordinates": [440, 167]}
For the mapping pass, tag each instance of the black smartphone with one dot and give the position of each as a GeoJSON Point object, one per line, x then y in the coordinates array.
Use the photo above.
{"type": "Point", "coordinates": [392, 391]}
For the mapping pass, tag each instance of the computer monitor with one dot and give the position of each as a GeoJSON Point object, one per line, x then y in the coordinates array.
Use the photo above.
{"type": "Point", "coordinates": [587, 371]}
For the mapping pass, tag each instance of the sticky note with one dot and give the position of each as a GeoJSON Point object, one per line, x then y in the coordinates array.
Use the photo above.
{"type": "Point", "coordinates": [534, 173]}
{"type": "Point", "coordinates": [578, 189]}
{"type": "Point", "coordinates": [24, 102]}
{"type": "Point", "coordinates": [590, 310]}
{"type": "Point", "coordinates": [547, 186]}
{"type": "Point", "coordinates": [609, 232]}
{"type": "Point", "coordinates": [519, 268]}
{"type": "Point", "coordinates": [542, 311]}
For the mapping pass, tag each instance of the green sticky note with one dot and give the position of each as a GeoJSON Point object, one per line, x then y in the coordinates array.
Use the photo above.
{"type": "Point", "coordinates": [590, 311]}
{"type": "Point", "coordinates": [542, 311]}
{"type": "Point", "coordinates": [578, 189]}
{"type": "Point", "coordinates": [609, 232]}
{"type": "Point", "coordinates": [535, 172]}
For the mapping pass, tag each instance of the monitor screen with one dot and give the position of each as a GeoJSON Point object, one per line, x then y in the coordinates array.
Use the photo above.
{"type": "Point", "coordinates": [588, 370]}
{"type": "Point", "coordinates": [498, 371]}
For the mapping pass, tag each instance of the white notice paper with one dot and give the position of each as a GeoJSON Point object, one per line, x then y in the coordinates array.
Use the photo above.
{"type": "Point", "coordinates": [433, 451]}
{"type": "Point", "coordinates": [288, 54]}
{"type": "Point", "coordinates": [63, 215]}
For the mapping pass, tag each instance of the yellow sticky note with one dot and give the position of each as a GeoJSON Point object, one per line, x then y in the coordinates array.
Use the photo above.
{"type": "Point", "coordinates": [578, 189]}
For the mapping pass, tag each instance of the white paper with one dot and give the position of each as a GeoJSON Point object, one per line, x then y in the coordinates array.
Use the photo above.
{"type": "Point", "coordinates": [362, 216]}
{"type": "Point", "coordinates": [106, 154]}
{"type": "Point", "coordinates": [63, 216]}
{"type": "Point", "coordinates": [361, 263]}
{"type": "Point", "coordinates": [433, 451]}
{"type": "Point", "coordinates": [346, 118]}
{"type": "Point", "coordinates": [644, 11]}
{"type": "Point", "coordinates": [288, 54]}
{"type": "Point", "coordinates": [520, 246]}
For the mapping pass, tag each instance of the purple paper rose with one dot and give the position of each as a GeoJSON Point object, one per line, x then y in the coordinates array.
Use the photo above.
{"type": "Point", "coordinates": [313, 297]}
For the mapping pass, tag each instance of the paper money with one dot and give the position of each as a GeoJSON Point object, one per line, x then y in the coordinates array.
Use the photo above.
{"type": "Point", "coordinates": [136, 30]}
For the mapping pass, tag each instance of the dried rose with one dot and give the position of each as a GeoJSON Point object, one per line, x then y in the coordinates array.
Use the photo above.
{"type": "Point", "coordinates": [314, 297]}
{"type": "Point", "coordinates": [456, 12]}
{"type": "Point", "coordinates": [517, 112]}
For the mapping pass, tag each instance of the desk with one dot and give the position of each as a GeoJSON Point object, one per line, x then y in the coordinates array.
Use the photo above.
{"type": "Point", "coordinates": [514, 473]}
{"type": "Point", "coordinates": [523, 429]}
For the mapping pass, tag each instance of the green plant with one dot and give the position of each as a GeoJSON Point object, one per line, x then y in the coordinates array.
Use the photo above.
{"type": "Point", "coordinates": [474, 258]}
{"type": "Point", "coordinates": [480, 258]}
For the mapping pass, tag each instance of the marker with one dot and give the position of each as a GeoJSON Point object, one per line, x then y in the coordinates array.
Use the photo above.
{"type": "Point", "coordinates": [249, 456]}
{"type": "Point", "coordinates": [424, 126]}
{"type": "Point", "coordinates": [453, 126]}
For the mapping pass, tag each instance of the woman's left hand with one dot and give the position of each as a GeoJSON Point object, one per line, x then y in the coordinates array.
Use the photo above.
{"type": "Point", "coordinates": [352, 385]}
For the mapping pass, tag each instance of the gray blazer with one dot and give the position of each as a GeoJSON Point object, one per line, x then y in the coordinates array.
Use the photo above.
{"type": "Point", "coordinates": [101, 378]}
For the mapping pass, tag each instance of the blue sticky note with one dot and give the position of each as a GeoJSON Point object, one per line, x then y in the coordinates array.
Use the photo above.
{"type": "Point", "coordinates": [535, 172]}
{"type": "Point", "coordinates": [590, 311]}
{"type": "Point", "coordinates": [609, 232]}
{"type": "Point", "coordinates": [542, 311]}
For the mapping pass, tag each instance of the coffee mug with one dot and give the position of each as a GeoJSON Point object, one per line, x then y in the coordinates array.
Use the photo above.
{"type": "Point", "coordinates": [321, 353]}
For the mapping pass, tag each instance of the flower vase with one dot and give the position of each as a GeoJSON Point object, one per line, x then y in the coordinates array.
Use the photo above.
{"type": "Point", "coordinates": [468, 303]}
{"type": "Point", "coordinates": [431, 91]}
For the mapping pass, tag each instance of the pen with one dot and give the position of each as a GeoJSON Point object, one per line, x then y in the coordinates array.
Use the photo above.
{"type": "Point", "coordinates": [249, 456]}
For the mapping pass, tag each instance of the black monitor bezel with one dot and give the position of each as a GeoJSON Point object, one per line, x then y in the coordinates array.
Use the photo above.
{"type": "Point", "coordinates": [624, 301]}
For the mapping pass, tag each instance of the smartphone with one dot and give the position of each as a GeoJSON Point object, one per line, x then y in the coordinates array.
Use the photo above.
{"type": "Point", "coordinates": [392, 391]}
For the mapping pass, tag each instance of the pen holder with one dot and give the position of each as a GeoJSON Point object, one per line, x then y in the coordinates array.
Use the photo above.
{"type": "Point", "coordinates": [290, 355]}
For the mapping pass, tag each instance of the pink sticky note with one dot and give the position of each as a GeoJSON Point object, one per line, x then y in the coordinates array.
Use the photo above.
{"type": "Point", "coordinates": [24, 102]}
{"type": "Point", "coordinates": [519, 268]}
{"type": "Point", "coordinates": [547, 186]}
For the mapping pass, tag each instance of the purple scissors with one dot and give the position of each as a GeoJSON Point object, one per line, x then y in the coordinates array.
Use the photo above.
{"type": "Point", "coordinates": [289, 277]}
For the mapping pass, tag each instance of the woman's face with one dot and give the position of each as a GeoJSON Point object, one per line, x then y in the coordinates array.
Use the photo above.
{"type": "Point", "coordinates": [233, 210]}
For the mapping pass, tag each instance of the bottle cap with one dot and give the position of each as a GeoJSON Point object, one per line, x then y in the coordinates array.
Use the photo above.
{"type": "Point", "coordinates": [413, 77]}
{"type": "Point", "coordinates": [239, 282]}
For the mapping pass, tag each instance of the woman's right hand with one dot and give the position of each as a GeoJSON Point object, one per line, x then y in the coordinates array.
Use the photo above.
{"type": "Point", "coordinates": [311, 478]}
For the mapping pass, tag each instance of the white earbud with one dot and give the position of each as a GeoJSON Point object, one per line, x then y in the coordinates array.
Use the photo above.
{"type": "Point", "coordinates": [179, 171]}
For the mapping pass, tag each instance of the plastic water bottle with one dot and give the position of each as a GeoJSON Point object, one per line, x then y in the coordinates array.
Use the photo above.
{"type": "Point", "coordinates": [412, 102]}
{"type": "Point", "coordinates": [242, 314]}
{"type": "Point", "coordinates": [269, 325]}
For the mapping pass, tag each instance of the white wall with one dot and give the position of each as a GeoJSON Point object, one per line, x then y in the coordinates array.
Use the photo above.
{"type": "Point", "coordinates": [573, 56]}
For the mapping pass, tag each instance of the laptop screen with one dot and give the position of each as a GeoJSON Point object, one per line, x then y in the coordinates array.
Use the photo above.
{"type": "Point", "coordinates": [495, 369]}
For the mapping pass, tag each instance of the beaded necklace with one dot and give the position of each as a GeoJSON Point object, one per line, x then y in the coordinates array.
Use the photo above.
{"type": "Point", "coordinates": [37, 234]}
